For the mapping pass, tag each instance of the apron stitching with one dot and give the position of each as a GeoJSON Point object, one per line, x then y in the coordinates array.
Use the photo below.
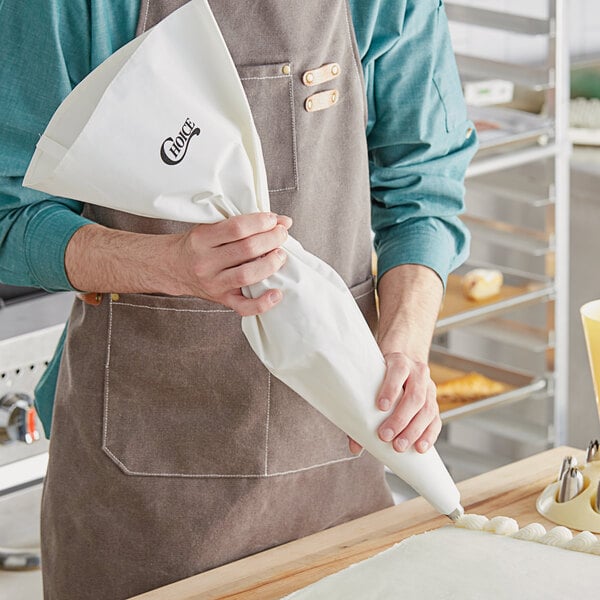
{"type": "Point", "coordinates": [224, 476]}
{"type": "Point", "coordinates": [363, 295]}
{"type": "Point", "coordinates": [265, 77]}
{"type": "Point", "coordinates": [146, 15]}
{"type": "Point", "coordinates": [329, 462]}
{"type": "Point", "coordinates": [267, 425]}
{"type": "Point", "coordinates": [294, 143]}
{"type": "Point", "coordinates": [284, 189]}
{"type": "Point", "coordinates": [195, 310]}
{"type": "Point", "coordinates": [107, 373]}
{"type": "Point", "coordinates": [120, 464]}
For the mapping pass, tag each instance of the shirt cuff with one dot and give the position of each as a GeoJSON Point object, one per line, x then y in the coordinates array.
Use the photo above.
{"type": "Point", "coordinates": [46, 239]}
{"type": "Point", "coordinates": [421, 244]}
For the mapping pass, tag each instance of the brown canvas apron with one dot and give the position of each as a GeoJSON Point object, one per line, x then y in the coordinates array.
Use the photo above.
{"type": "Point", "coordinates": [173, 449]}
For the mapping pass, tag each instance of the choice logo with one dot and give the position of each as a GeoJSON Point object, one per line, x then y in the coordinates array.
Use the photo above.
{"type": "Point", "coordinates": [173, 150]}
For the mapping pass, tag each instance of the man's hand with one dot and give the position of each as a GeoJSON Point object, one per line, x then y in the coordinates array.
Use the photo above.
{"type": "Point", "coordinates": [214, 261]}
{"type": "Point", "coordinates": [409, 300]}
{"type": "Point", "coordinates": [208, 261]}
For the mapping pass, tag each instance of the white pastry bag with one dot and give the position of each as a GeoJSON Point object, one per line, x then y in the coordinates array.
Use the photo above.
{"type": "Point", "coordinates": [163, 129]}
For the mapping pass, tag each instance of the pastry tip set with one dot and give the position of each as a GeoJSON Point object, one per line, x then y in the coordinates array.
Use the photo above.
{"type": "Point", "coordinates": [573, 499]}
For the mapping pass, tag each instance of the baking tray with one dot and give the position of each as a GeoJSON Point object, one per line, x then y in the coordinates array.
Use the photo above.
{"type": "Point", "coordinates": [512, 126]}
{"type": "Point", "coordinates": [445, 365]}
{"type": "Point", "coordinates": [519, 289]}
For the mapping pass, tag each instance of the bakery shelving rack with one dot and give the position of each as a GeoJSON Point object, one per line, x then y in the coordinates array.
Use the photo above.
{"type": "Point", "coordinates": [518, 213]}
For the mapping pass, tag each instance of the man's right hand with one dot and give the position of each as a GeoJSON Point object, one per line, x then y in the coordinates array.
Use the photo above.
{"type": "Point", "coordinates": [208, 261]}
{"type": "Point", "coordinates": [215, 261]}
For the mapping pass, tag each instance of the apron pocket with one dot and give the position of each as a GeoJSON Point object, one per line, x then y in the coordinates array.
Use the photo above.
{"type": "Point", "coordinates": [299, 437]}
{"type": "Point", "coordinates": [184, 393]}
{"type": "Point", "coordinates": [270, 93]}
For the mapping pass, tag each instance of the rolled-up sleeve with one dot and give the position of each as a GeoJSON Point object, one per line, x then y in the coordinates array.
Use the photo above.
{"type": "Point", "coordinates": [47, 48]}
{"type": "Point", "coordinates": [420, 140]}
{"type": "Point", "coordinates": [33, 241]}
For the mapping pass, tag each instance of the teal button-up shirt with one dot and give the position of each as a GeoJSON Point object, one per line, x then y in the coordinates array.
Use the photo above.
{"type": "Point", "coordinates": [420, 141]}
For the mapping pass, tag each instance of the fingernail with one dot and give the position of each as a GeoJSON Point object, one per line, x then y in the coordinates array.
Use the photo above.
{"type": "Point", "coordinates": [401, 444]}
{"type": "Point", "coordinates": [272, 218]}
{"type": "Point", "coordinates": [384, 404]}
{"type": "Point", "coordinates": [281, 254]}
{"type": "Point", "coordinates": [423, 446]}
{"type": "Point", "coordinates": [275, 296]}
{"type": "Point", "coordinates": [387, 435]}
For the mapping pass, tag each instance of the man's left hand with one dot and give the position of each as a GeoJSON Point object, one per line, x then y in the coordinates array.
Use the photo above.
{"type": "Point", "coordinates": [409, 300]}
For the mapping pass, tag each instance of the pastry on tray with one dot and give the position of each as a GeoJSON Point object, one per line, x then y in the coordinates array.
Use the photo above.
{"type": "Point", "coordinates": [469, 387]}
{"type": "Point", "coordinates": [481, 284]}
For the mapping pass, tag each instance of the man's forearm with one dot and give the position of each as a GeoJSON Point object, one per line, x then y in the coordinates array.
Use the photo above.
{"type": "Point", "coordinates": [409, 300]}
{"type": "Point", "coordinates": [209, 261]}
{"type": "Point", "coordinates": [99, 259]}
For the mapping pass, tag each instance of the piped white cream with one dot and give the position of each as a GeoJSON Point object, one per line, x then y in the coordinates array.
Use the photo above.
{"type": "Point", "coordinates": [561, 537]}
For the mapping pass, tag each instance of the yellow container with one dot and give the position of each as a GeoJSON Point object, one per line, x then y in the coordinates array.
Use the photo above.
{"type": "Point", "coordinates": [590, 315]}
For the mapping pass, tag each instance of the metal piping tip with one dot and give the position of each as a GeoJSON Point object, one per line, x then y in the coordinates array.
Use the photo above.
{"type": "Point", "coordinates": [592, 451]}
{"type": "Point", "coordinates": [567, 463]}
{"type": "Point", "coordinates": [457, 513]}
{"type": "Point", "coordinates": [570, 485]}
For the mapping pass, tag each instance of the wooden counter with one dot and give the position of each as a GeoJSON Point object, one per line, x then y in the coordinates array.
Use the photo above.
{"type": "Point", "coordinates": [510, 491]}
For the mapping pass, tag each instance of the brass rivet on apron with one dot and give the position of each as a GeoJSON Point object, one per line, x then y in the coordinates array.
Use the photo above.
{"type": "Point", "coordinates": [115, 297]}
{"type": "Point", "coordinates": [308, 77]}
{"type": "Point", "coordinates": [309, 104]}
{"type": "Point", "coordinates": [286, 70]}
{"type": "Point", "coordinates": [469, 132]}
{"type": "Point", "coordinates": [335, 69]}
{"type": "Point", "coordinates": [333, 98]}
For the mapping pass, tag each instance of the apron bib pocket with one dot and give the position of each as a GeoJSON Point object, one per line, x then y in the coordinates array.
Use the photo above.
{"type": "Point", "coordinates": [270, 92]}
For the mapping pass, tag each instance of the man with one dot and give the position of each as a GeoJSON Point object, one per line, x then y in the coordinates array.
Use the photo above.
{"type": "Point", "coordinates": [173, 450]}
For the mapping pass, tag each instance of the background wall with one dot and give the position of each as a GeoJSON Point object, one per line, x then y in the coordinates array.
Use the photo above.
{"type": "Point", "coordinates": [584, 27]}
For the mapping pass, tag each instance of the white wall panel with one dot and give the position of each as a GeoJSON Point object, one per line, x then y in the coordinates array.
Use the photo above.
{"type": "Point", "coordinates": [584, 19]}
